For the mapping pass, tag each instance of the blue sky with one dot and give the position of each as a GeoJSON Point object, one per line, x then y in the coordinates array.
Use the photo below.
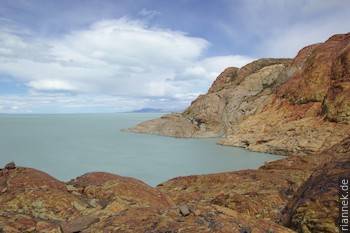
{"type": "Point", "coordinates": [72, 56]}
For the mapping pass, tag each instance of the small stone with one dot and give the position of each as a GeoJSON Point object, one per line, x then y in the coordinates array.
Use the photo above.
{"type": "Point", "coordinates": [199, 221]}
{"type": "Point", "coordinates": [10, 165]}
{"type": "Point", "coordinates": [78, 224]}
{"type": "Point", "coordinates": [94, 203]}
{"type": "Point", "coordinates": [42, 225]}
{"type": "Point", "coordinates": [197, 212]}
{"type": "Point", "coordinates": [75, 193]}
{"type": "Point", "coordinates": [8, 228]}
{"type": "Point", "coordinates": [182, 219]}
{"type": "Point", "coordinates": [245, 230]}
{"type": "Point", "coordinates": [71, 188]}
{"type": "Point", "coordinates": [184, 211]}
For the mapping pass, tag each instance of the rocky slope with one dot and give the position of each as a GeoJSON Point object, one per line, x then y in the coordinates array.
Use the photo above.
{"type": "Point", "coordinates": [298, 192]}
{"type": "Point", "coordinates": [299, 106]}
{"type": "Point", "coordinates": [236, 94]}
{"type": "Point", "coordinates": [32, 201]}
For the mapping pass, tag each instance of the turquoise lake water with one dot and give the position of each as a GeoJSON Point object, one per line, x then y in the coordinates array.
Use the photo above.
{"type": "Point", "coordinates": [67, 146]}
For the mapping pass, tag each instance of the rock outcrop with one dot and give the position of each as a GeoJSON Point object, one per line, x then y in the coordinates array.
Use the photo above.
{"type": "Point", "coordinates": [235, 95]}
{"type": "Point", "coordinates": [32, 201]}
{"type": "Point", "coordinates": [281, 106]}
{"type": "Point", "coordinates": [309, 113]}
{"type": "Point", "coordinates": [315, 207]}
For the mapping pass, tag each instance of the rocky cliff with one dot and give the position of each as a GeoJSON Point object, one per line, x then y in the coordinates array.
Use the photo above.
{"type": "Point", "coordinates": [282, 106]}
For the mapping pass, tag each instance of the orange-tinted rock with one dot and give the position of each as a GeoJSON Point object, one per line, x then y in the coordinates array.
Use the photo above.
{"type": "Point", "coordinates": [78, 224]}
{"type": "Point", "coordinates": [32, 201]}
{"type": "Point", "coordinates": [258, 193]}
{"type": "Point", "coordinates": [117, 193]}
{"type": "Point", "coordinates": [273, 105]}
{"type": "Point", "coordinates": [235, 95]}
{"type": "Point", "coordinates": [315, 207]}
{"type": "Point", "coordinates": [34, 193]}
{"type": "Point", "coordinates": [325, 77]}
{"type": "Point", "coordinates": [287, 129]}
{"type": "Point", "coordinates": [211, 219]}
{"type": "Point", "coordinates": [297, 119]}
{"type": "Point", "coordinates": [222, 81]}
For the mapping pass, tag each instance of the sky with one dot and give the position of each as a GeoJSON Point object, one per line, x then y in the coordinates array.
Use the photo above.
{"type": "Point", "coordinates": [101, 56]}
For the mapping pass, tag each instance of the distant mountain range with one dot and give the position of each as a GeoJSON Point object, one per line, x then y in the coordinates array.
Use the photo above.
{"type": "Point", "coordinates": [150, 110]}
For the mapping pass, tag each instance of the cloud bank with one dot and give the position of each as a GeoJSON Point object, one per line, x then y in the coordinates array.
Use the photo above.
{"type": "Point", "coordinates": [124, 58]}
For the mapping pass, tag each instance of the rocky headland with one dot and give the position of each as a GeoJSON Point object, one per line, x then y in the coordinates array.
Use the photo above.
{"type": "Point", "coordinates": [279, 106]}
{"type": "Point", "coordinates": [298, 107]}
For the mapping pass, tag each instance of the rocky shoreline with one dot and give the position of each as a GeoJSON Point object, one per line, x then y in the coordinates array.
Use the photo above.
{"type": "Point", "coordinates": [298, 193]}
{"type": "Point", "coordinates": [298, 107]}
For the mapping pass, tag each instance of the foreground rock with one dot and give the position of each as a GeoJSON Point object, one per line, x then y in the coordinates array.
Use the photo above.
{"type": "Point", "coordinates": [280, 106]}
{"type": "Point", "coordinates": [208, 218]}
{"type": "Point", "coordinates": [298, 192]}
{"type": "Point", "coordinates": [32, 201]}
{"type": "Point", "coordinates": [315, 207]}
{"type": "Point", "coordinates": [262, 193]}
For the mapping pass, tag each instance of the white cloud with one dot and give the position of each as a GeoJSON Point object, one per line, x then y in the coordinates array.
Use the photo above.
{"type": "Point", "coordinates": [111, 58]}
{"type": "Point", "coordinates": [322, 5]}
{"type": "Point", "coordinates": [269, 28]}
{"type": "Point", "coordinates": [84, 103]}
{"type": "Point", "coordinates": [287, 42]}
{"type": "Point", "coordinates": [148, 14]}
{"type": "Point", "coordinates": [315, 22]}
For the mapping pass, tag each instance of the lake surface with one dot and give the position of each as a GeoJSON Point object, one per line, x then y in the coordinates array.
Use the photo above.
{"type": "Point", "coordinates": [67, 146]}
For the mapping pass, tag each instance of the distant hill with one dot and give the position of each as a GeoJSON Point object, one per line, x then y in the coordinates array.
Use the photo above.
{"type": "Point", "coordinates": [149, 110]}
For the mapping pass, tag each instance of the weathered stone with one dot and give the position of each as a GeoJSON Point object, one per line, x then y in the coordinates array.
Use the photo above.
{"type": "Point", "coordinates": [78, 224]}
{"type": "Point", "coordinates": [117, 193]}
{"type": "Point", "coordinates": [213, 219]}
{"type": "Point", "coordinates": [10, 165]}
{"type": "Point", "coordinates": [315, 206]}
{"type": "Point", "coordinates": [71, 188]}
{"type": "Point", "coordinates": [245, 230]}
{"type": "Point", "coordinates": [36, 194]}
{"type": "Point", "coordinates": [184, 211]}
